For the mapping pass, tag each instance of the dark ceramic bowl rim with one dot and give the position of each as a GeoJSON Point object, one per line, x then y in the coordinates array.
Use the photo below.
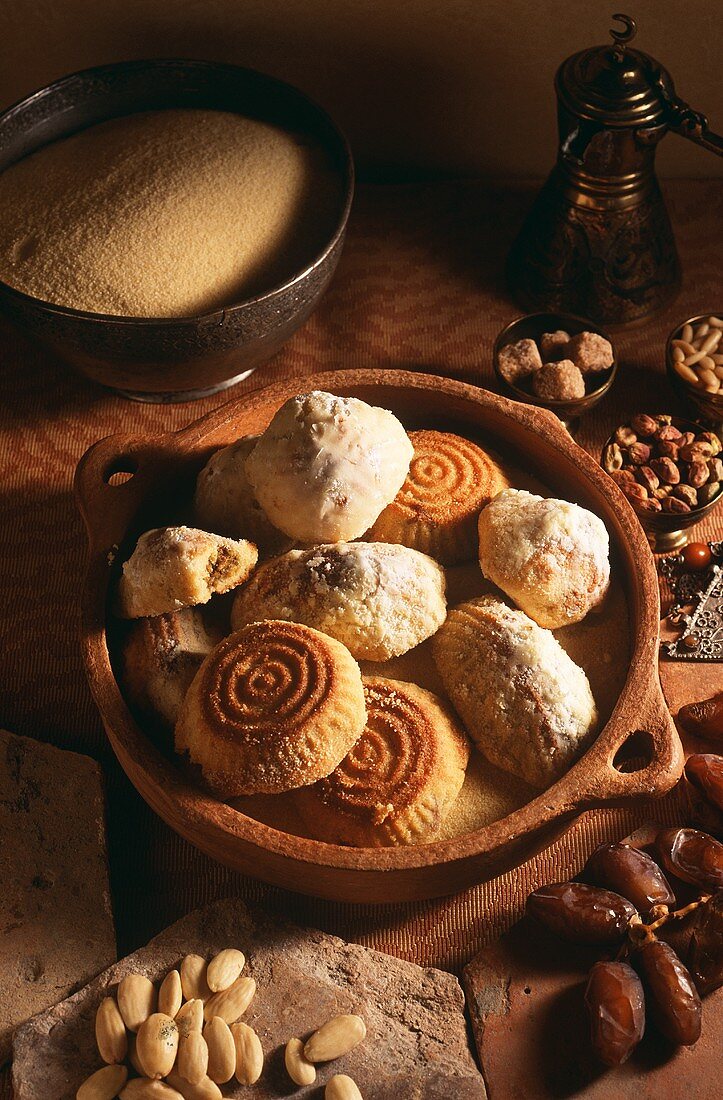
{"type": "Point", "coordinates": [555, 403]}
{"type": "Point", "coordinates": [676, 518]}
{"type": "Point", "coordinates": [714, 400]}
{"type": "Point", "coordinates": [218, 315]}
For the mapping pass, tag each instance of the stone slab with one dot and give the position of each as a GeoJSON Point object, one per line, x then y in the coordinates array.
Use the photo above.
{"type": "Point", "coordinates": [525, 998]}
{"type": "Point", "coordinates": [416, 1046]}
{"type": "Point", "coordinates": [56, 922]}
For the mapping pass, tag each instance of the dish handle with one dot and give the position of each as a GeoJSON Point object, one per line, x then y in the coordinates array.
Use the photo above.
{"type": "Point", "coordinates": [111, 481]}
{"type": "Point", "coordinates": [638, 759]}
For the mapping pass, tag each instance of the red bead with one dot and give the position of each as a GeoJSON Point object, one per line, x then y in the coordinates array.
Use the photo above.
{"type": "Point", "coordinates": [696, 555]}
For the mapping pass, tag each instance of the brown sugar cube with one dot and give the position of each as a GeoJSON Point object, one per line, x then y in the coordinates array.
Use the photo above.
{"type": "Point", "coordinates": [519, 360]}
{"type": "Point", "coordinates": [590, 352]}
{"type": "Point", "coordinates": [559, 382]}
{"type": "Point", "coordinates": [554, 344]}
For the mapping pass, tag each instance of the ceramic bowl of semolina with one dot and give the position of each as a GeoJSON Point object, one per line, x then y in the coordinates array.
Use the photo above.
{"type": "Point", "coordinates": [166, 226]}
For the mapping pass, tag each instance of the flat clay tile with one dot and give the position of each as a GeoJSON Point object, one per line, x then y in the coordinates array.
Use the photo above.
{"type": "Point", "coordinates": [416, 1046]}
{"type": "Point", "coordinates": [56, 923]}
{"type": "Point", "coordinates": [526, 1000]}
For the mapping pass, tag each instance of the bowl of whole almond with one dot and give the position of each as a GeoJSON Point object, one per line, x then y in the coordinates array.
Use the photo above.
{"type": "Point", "coordinates": [671, 471]}
{"type": "Point", "coordinates": [694, 362]}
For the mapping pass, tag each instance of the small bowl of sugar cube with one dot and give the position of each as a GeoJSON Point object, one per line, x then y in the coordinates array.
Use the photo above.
{"type": "Point", "coordinates": [556, 361]}
{"type": "Point", "coordinates": [694, 362]}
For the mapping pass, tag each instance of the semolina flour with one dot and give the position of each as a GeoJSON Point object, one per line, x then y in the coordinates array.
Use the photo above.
{"type": "Point", "coordinates": [167, 213]}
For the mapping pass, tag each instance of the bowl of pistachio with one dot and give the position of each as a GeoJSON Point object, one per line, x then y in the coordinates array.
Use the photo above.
{"type": "Point", "coordinates": [671, 471]}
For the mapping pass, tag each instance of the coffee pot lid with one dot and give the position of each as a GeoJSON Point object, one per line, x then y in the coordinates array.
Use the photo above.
{"type": "Point", "coordinates": [614, 84]}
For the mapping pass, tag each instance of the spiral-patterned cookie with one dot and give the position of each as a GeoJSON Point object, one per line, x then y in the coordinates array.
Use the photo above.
{"type": "Point", "coordinates": [450, 480]}
{"type": "Point", "coordinates": [275, 706]}
{"type": "Point", "coordinates": [402, 776]}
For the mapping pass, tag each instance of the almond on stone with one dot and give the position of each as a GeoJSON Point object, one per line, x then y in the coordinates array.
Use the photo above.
{"type": "Point", "coordinates": [341, 1087]}
{"type": "Point", "coordinates": [192, 1063]}
{"type": "Point", "coordinates": [193, 978]}
{"type": "Point", "coordinates": [133, 1057]}
{"type": "Point", "coordinates": [142, 1088]}
{"type": "Point", "coordinates": [221, 1050]}
{"type": "Point", "coordinates": [249, 1054]}
{"type": "Point", "coordinates": [224, 969]}
{"type": "Point", "coordinates": [110, 1032]}
{"type": "Point", "coordinates": [157, 1044]}
{"type": "Point", "coordinates": [300, 1070]}
{"type": "Point", "coordinates": [104, 1084]}
{"type": "Point", "coordinates": [204, 1090]}
{"type": "Point", "coordinates": [170, 995]}
{"type": "Point", "coordinates": [231, 1003]}
{"type": "Point", "coordinates": [136, 1000]}
{"type": "Point", "coordinates": [190, 1017]}
{"type": "Point", "coordinates": [337, 1037]}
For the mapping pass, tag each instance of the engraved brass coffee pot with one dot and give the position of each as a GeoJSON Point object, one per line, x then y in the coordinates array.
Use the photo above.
{"type": "Point", "coordinates": [598, 240]}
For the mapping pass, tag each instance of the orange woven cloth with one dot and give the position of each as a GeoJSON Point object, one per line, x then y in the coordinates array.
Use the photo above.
{"type": "Point", "coordinates": [420, 285]}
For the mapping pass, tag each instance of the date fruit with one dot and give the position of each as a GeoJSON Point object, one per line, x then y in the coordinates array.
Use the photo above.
{"type": "Point", "coordinates": [705, 771]}
{"type": "Point", "coordinates": [631, 873]}
{"type": "Point", "coordinates": [693, 856]}
{"type": "Point", "coordinates": [616, 1007]}
{"type": "Point", "coordinates": [672, 999]}
{"type": "Point", "coordinates": [581, 913]}
{"type": "Point", "coordinates": [705, 956]}
{"type": "Point", "coordinates": [704, 719]}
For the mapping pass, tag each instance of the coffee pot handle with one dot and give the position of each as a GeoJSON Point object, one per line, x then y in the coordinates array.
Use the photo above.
{"type": "Point", "coordinates": [683, 120]}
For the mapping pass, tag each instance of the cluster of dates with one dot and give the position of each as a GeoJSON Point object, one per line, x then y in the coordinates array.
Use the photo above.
{"type": "Point", "coordinates": [704, 770]}
{"type": "Point", "coordinates": [704, 773]}
{"type": "Point", "coordinates": [624, 903]}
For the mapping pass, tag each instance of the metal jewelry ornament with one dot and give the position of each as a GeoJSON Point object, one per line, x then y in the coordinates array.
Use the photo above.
{"type": "Point", "coordinates": [697, 607]}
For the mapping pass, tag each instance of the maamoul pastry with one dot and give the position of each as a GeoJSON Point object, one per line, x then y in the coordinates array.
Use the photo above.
{"type": "Point", "coordinates": [224, 501]}
{"type": "Point", "coordinates": [549, 556]}
{"type": "Point", "coordinates": [402, 777]}
{"type": "Point", "coordinates": [377, 598]}
{"type": "Point", "coordinates": [326, 466]}
{"type": "Point", "coordinates": [160, 657]}
{"type": "Point", "coordinates": [174, 567]}
{"type": "Point", "coordinates": [274, 706]}
{"type": "Point", "coordinates": [528, 706]}
{"type": "Point", "coordinates": [436, 509]}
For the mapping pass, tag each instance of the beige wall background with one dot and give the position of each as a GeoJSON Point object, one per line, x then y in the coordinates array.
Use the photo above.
{"type": "Point", "coordinates": [448, 87]}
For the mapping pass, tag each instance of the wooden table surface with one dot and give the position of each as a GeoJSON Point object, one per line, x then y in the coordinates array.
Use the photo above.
{"type": "Point", "coordinates": [419, 286]}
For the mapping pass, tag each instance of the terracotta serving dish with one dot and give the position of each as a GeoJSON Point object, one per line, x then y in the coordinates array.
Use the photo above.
{"type": "Point", "coordinates": [159, 475]}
